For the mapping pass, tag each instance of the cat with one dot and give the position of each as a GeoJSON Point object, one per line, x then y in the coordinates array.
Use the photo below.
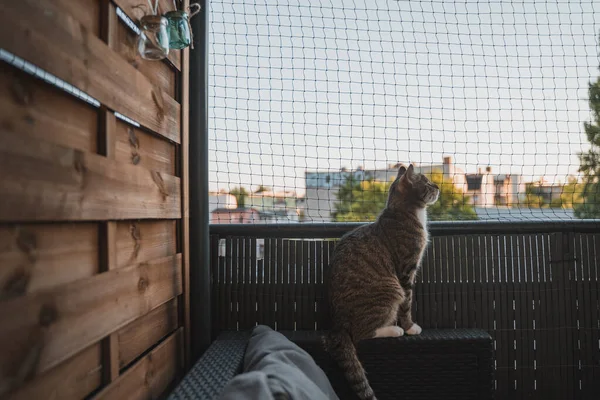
{"type": "Point", "coordinates": [372, 275]}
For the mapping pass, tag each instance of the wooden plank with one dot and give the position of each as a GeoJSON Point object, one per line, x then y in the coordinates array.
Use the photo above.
{"type": "Point", "coordinates": [73, 379]}
{"type": "Point", "coordinates": [43, 181]}
{"type": "Point", "coordinates": [141, 334]}
{"type": "Point", "coordinates": [152, 375]}
{"type": "Point", "coordinates": [34, 107]}
{"type": "Point", "coordinates": [136, 147]}
{"type": "Point", "coordinates": [110, 345]}
{"type": "Point", "coordinates": [53, 325]}
{"type": "Point", "coordinates": [161, 74]}
{"type": "Point", "coordinates": [135, 13]}
{"type": "Point", "coordinates": [59, 46]}
{"type": "Point", "coordinates": [86, 12]}
{"type": "Point", "coordinates": [40, 257]}
{"type": "Point", "coordinates": [144, 241]}
{"type": "Point", "coordinates": [469, 270]}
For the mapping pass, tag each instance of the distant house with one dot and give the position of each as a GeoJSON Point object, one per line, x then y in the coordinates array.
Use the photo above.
{"type": "Point", "coordinates": [217, 200]}
{"type": "Point", "coordinates": [480, 187]}
{"type": "Point", "coordinates": [245, 215]}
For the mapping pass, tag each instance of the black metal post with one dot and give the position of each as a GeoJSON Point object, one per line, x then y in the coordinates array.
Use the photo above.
{"type": "Point", "coordinates": [198, 155]}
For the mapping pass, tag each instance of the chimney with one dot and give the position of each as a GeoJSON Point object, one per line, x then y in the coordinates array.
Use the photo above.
{"type": "Point", "coordinates": [447, 160]}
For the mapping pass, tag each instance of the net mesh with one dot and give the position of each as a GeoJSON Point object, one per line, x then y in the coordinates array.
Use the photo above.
{"type": "Point", "coordinates": [315, 105]}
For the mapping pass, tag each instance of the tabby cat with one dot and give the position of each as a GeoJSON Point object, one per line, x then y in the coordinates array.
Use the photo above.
{"type": "Point", "coordinates": [372, 274]}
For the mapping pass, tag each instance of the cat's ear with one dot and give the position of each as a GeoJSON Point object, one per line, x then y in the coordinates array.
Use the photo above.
{"type": "Point", "coordinates": [401, 171]}
{"type": "Point", "coordinates": [410, 172]}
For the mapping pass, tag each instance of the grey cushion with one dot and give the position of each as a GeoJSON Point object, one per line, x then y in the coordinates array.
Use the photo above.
{"type": "Point", "coordinates": [276, 368]}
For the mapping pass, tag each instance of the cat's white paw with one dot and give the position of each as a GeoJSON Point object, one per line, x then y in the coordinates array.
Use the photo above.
{"type": "Point", "coordinates": [389, 331]}
{"type": "Point", "coordinates": [414, 330]}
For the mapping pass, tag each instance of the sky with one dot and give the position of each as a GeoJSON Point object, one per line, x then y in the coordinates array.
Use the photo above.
{"type": "Point", "coordinates": [325, 84]}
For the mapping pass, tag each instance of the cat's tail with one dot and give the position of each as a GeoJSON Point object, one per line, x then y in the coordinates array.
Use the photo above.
{"type": "Point", "coordinates": [341, 348]}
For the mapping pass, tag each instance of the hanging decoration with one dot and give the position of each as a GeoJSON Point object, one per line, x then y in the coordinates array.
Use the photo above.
{"type": "Point", "coordinates": [153, 41]}
{"type": "Point", "coordinates": [180, 30]}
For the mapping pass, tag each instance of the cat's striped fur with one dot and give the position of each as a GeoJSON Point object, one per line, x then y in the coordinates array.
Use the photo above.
{"type": "Point", "coordinates": [372, 275]}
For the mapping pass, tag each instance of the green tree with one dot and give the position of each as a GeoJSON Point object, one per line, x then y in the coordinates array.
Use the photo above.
{"type": "Point", "coordinates": [452, 204]}
{"type": "Point", "coordinates": [533, 199]}
{"type": "Point", "coordinates": [261, 189]}
{"type": "Point", "coordinates": [590, 160]}
{"type": "Point", "coordinates": [571, 195]}
{"type": "Point", "coordinates": [360, 201]}
{"type": "Point", "coordinates": [240, 195]}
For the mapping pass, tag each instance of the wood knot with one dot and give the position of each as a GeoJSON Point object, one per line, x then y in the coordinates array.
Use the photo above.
{"type": "Point", "coordinates": [149, 377]}
{"type": "Point", "coordinates": [142, 284]}
{"type": "Point", "coordinates": [158, 100]}
{"type": "Point", "coordinates": [79, 162]}
{"type": "Point", "coordinates": [48, 315]}
{"type": "Point", "coordinates": [160, 183]}
{"type": "Point", "coordinates": [21, 93]}
{"type": "Point", "coordinates": [16, 284]}
{"type": "Point", "coordinates": [27, 243]}
{"type": "Point", "coordinates": [135, 235]}
{"type": "Point", "coordinates": [135, 146]}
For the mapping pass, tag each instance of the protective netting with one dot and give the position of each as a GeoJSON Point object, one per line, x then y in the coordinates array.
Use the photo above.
{"type": "Point", "coordinates": [313, 105]}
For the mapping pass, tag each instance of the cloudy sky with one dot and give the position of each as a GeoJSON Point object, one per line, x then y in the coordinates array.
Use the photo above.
{"type": "Point", "coordinates": [308, 85]}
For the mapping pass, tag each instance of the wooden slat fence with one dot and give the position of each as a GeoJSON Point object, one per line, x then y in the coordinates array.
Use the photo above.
{"type": "Point", "coordinates": [93, 204]}
{"type": "Point", "coordinates": [535, 293]}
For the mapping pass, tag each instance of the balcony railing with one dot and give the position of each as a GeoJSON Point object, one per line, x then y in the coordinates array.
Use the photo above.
{"type": "Point", "coordinates": [533, 286]}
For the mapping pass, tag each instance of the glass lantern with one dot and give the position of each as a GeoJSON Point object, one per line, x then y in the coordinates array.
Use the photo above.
{"type": "Point", "coordinates": [153, 42]}
{"type": "Point", "coordinates": [179, 29]}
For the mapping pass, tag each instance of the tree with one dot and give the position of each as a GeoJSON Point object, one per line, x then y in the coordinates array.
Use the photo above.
{"type": "Point", "coordinates": [571, 195]}
{"type": "Point", "coordinates": [590, 160]}
{"type": "Point", "coordinates": [452, 204]}
{"type": "Point", "coordinates": [360, 201]}
{"type": "Point", "coordinates": [533, 198]}
{"type": "Point", "coordinates": [240, 195]}
{"type": "Point", "coordinates": [261, 189]}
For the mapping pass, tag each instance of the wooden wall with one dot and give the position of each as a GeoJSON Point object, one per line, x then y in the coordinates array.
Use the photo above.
{"type": "Point", "coordinates": [93, 210]}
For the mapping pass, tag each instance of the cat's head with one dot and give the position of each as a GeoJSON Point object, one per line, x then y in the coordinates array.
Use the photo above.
{"type": "Point", "coordinates": [412, 187]}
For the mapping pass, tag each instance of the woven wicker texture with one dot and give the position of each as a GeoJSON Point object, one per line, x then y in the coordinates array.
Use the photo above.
{"type": "Point", "coordinates": [448, 364]}
{"type": "Point", "coordinates": [217, 366]}
{"type": "Point", "coordinates": [438, 364]}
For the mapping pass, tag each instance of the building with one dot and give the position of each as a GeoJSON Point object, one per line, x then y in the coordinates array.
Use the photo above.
{"type": "Point", "coordinates": [322, 186]}
{"type": "Point", "coordinates": [275, 207]}
{"type": "Point", "coordinates": [245, 215]}
{"type": "Point", "coordinates": [217, 200]}
{"type": "Point", "coordinates": [480, 187]}
{"type": "Point", "coordinates": [509, 189]}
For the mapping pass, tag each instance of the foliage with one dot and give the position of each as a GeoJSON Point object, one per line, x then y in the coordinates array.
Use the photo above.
{"type": "Point", "coordinates": [590, 160]}
{"type": "Point", "coordinates": [261, 189]}
{"type": "Point", "coordinates": [360, 201]}
{"type": "Point", "coordinates": [240, 195]}
{"type": "Point", "coordinates": [452, 205]}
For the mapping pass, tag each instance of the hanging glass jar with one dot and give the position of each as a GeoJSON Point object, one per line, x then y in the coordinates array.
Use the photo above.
{"type": "Point", "coordinates": [153, 41]}
{"type": "Point", "coordinates": [179, 29]}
